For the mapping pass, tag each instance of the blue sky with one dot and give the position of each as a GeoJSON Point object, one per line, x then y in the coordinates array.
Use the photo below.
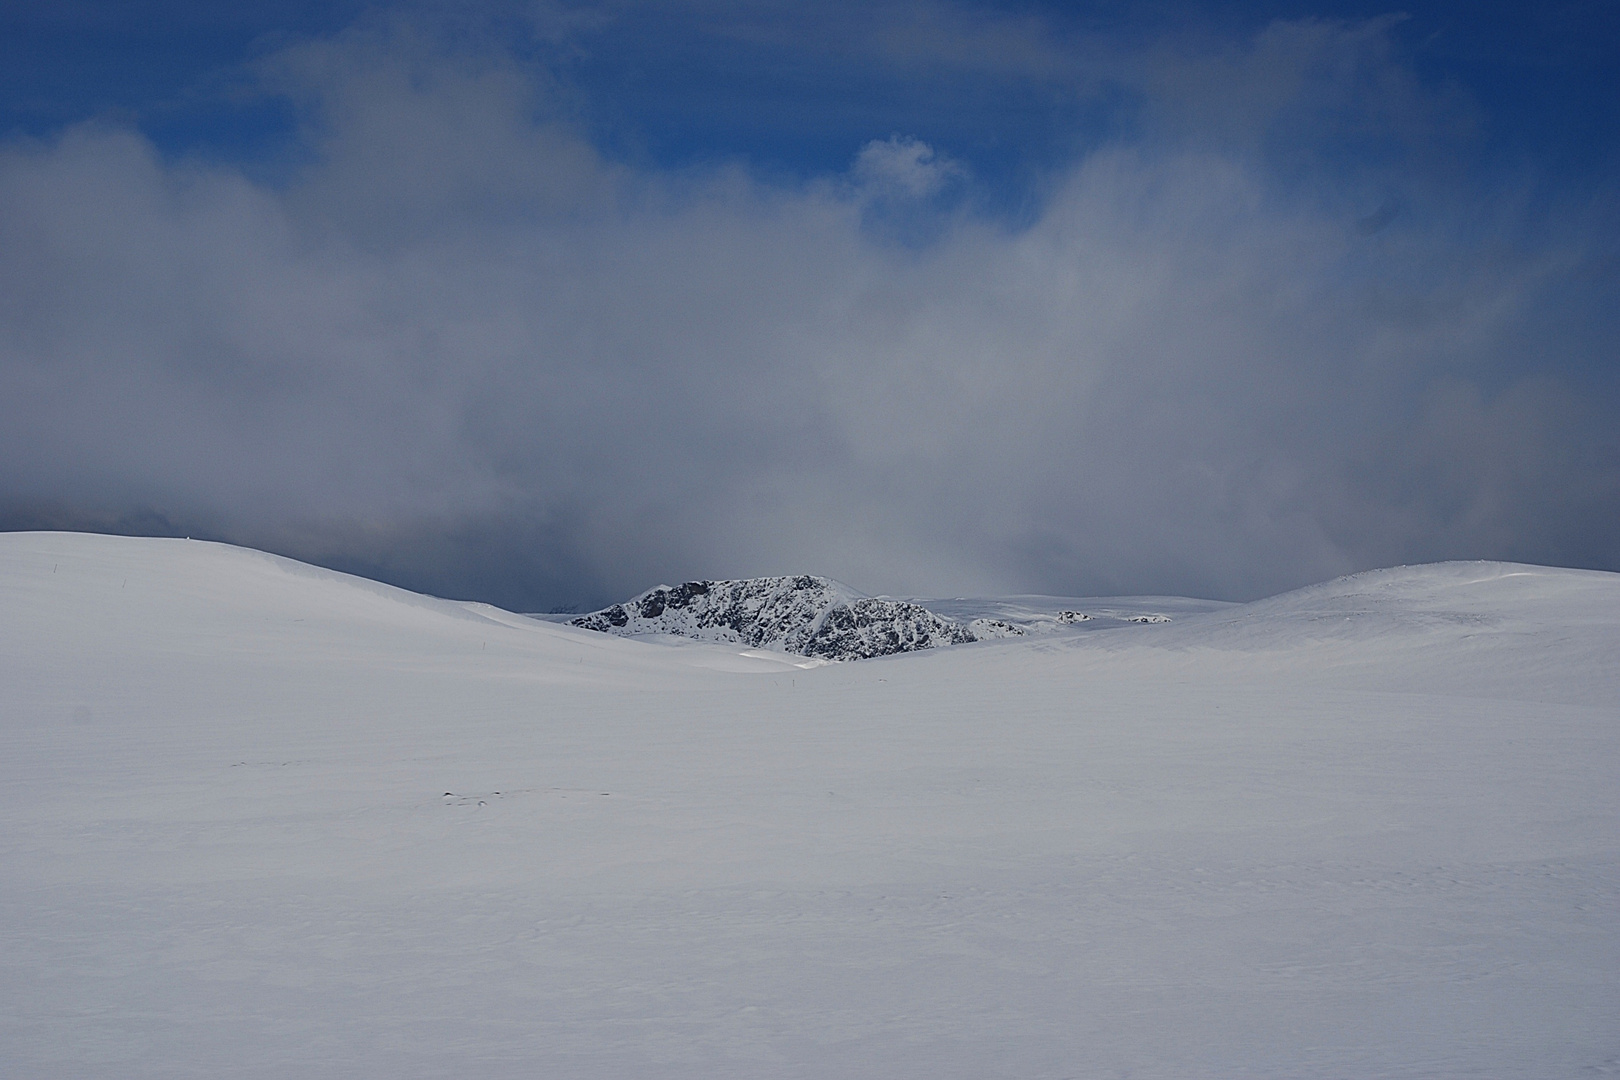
{"type": "Point", "coordinates": [796, 87]}
{"type": "Point", "coordinates": [544, 303]}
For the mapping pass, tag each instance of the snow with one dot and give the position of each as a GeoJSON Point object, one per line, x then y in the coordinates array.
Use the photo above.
{"type": "Point", "coordinates": [265, 820]}
{"type": "Point", "coordinates": [1063, 614]}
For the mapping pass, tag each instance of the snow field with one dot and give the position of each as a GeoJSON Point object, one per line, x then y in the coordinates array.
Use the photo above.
{"type": "Point", "coordinates": [267, 820]}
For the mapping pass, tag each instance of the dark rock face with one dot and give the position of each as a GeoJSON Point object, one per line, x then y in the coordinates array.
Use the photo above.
{"type": "Point", "coordinates": [807, 615]}
{"type": "Point", "coordinates": [870, 628]}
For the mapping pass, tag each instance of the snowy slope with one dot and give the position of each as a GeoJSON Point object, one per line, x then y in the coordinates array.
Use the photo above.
{"type": "Point", "coordinates": [264, 820]}
{"type": "Point", "coordinates": [805, 615]}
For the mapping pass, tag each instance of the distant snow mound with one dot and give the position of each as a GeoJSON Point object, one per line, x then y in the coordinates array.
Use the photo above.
{"type": "Point", "coordinates": [806, 615]}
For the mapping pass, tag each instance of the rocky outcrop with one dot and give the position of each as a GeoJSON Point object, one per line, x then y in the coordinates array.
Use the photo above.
{"type": "Point", "coordinates": [806, 615]}
{"type": "Point", "coordinates": [870, 628]}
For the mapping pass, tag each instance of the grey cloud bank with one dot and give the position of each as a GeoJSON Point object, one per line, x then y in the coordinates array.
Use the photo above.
{"type": "Point", "coordinates": [464, 350]}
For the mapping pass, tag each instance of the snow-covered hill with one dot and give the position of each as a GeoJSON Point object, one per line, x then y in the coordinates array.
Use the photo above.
{"type": "Point", "coordinates": [805, 615]}
{"type": "Point", "coordinates": [264, 820]}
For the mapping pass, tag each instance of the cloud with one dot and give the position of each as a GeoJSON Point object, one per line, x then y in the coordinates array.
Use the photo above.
{"type": "Point", "coordinates": [465, 350]}
{"type": "Point", "coordinates": [903, 165]}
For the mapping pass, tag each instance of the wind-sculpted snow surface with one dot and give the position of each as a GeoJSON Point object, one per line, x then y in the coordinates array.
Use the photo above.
{"type": "Point", "coordinates": [263, 820]}
{"type": "Point", "coordinates": [805, 615]}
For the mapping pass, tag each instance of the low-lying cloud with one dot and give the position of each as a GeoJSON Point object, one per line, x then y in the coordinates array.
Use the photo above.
{"type": "Point", "coordinates": [465, 350]}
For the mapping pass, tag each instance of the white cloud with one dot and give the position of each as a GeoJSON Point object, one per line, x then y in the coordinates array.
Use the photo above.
{"type": "Point", "coordinates": [461, 324]}
{"type": "Point", "coordinates": [904, 165]}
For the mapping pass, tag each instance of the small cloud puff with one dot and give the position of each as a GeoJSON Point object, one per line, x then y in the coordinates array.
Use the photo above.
{"type": "Point", "coordinates": [904, 165]}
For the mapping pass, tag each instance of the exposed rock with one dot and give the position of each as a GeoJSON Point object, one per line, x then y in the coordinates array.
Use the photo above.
{"type": "Point", "coordinates": [806, 615]}
{"type": "Point", "coordinates": [870, 628]}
